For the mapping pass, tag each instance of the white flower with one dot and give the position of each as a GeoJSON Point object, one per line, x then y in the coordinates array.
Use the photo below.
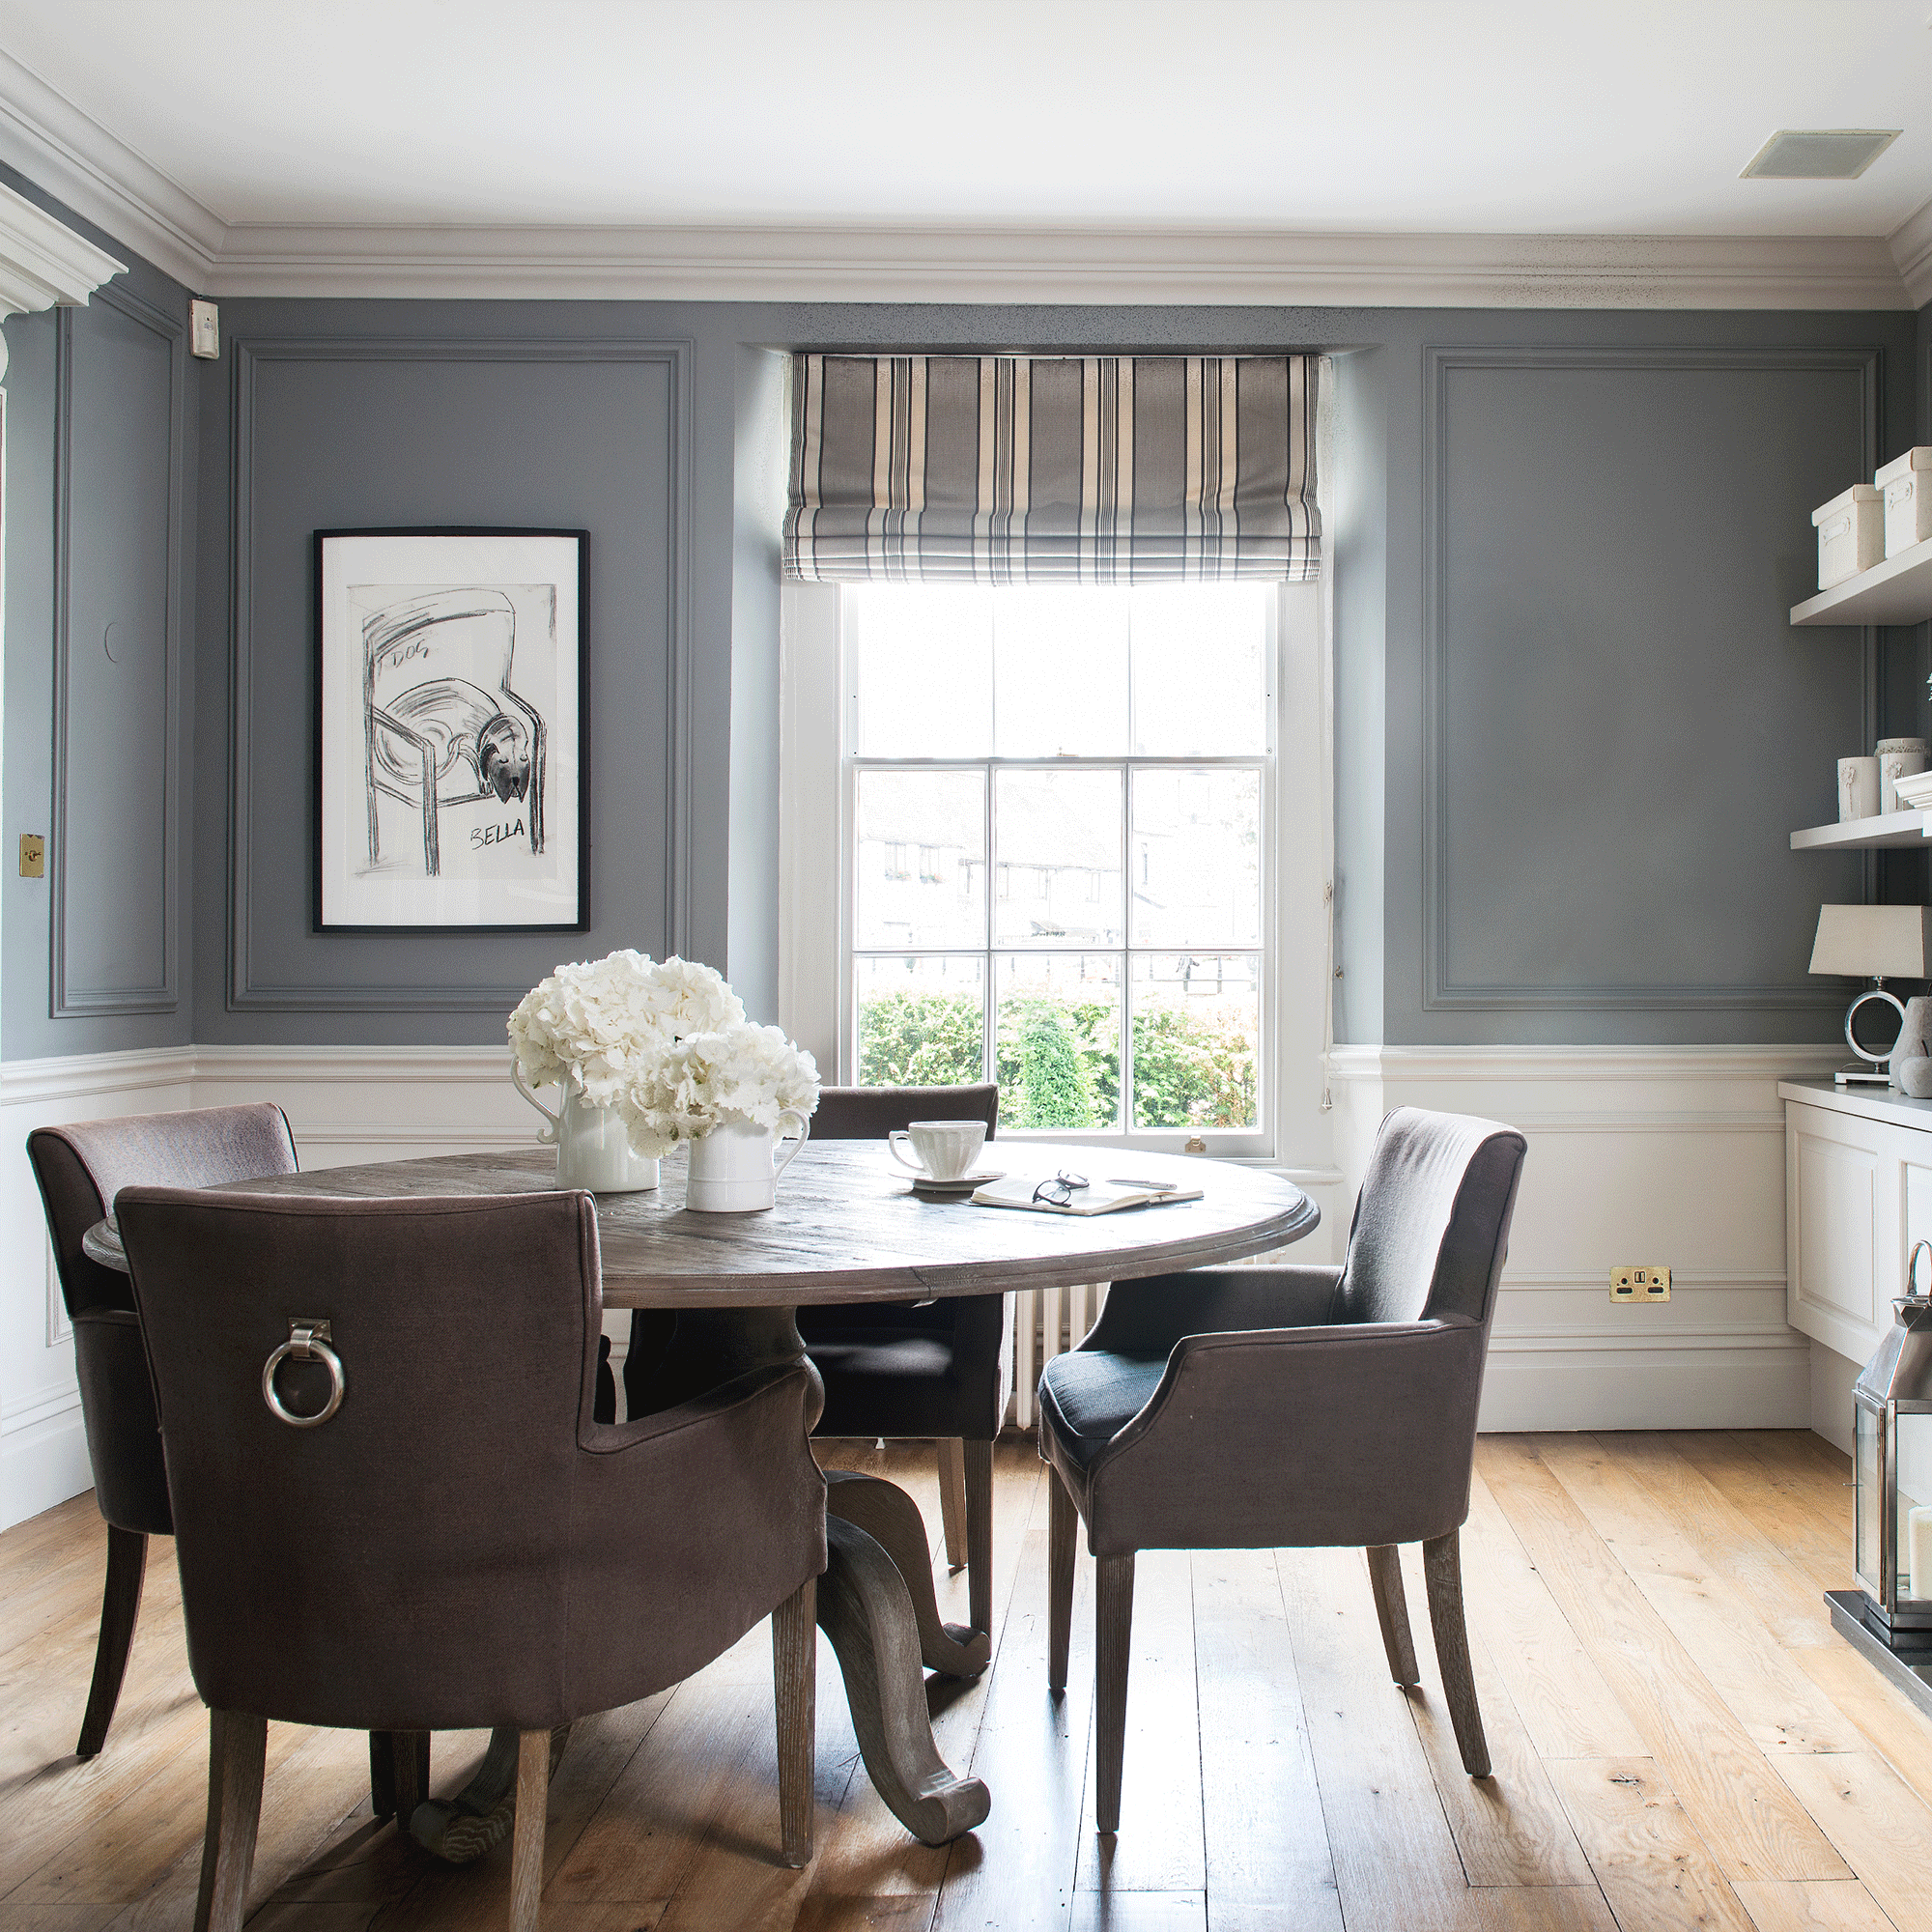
{"type": "Point", "coordinates": [739, 1073]}
{"type": "Point", "coordinates": [595, 1024]}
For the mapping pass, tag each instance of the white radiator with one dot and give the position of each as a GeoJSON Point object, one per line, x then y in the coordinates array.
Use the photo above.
{"type": "Point", "coordinates": [1047, 1322]}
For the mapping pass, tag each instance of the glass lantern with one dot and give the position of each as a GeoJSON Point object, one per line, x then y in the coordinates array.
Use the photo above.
{"type": "Point", "coordinates": [1892, 1421]}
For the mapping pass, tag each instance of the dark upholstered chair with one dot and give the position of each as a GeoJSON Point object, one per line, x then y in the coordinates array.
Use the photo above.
{"type": "Point", "coordinates": [941, 1371]}
{"type": "Point", "coordinates": [80, 1169]}
{"type": "Point", "coordinates": [459, 1545]}
{"type": "Point", "coordinates": [1270, 1408]}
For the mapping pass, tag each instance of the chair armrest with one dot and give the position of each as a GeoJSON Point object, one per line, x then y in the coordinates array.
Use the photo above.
{"type": "Point", "coordinates": [692, 1523]}
{"type": "Point", "coordinates": [1149, 1317]}
{"type": "Point", "coordinates": [1354, 1433]}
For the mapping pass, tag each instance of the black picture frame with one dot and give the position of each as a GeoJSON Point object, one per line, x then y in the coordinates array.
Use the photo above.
{"type": "Point", "coordinates": [463, 592]}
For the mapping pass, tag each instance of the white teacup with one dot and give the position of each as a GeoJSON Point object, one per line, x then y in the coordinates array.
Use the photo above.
{"type": "Point", "coordinates": [946, 1149]}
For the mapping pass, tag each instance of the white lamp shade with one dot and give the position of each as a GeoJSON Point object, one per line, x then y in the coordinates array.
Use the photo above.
{"type": "Point", "coordinates": [1874, 942]}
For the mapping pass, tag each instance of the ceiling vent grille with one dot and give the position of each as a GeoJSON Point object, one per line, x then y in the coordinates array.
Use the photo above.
{"type": "Point", "coordinates": [1819, 153]}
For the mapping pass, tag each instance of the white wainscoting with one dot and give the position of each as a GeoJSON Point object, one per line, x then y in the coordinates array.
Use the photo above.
{"type": "Point", "coordinates": [1669, 1156]}
{"type": "Point", "coordinates": [42, 1448]}
{"type": "Point", "coordinates": [1647, 1154]}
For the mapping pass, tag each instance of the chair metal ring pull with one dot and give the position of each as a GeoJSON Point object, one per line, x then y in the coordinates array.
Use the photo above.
{"type": "Point", "coordinates": [308, 1342]}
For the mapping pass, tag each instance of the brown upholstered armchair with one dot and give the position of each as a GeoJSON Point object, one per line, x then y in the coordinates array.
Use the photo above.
{"type": "Point", "coordinates": [437, 1535]}
{"type": "Point", "coordinates": [938, 1371]}
{"type": "Point", "coordinates": [80, 1169]}
{"type": "Point", "coordinates": [1269, 1408]}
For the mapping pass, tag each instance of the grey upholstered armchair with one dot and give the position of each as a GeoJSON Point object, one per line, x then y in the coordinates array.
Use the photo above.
{"type": "Point", "coordinates": [1268, 1408]}
{"type": "Point", "coordinates": [394, 1510]}
{"type": "Point", "coordinates": [80, 1169]}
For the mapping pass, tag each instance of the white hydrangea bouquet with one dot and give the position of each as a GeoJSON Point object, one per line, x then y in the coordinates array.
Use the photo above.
{"type": "Point", "coordinates": [744, 1074]}
{"type": "Point", "coordinates": [649, 1053]}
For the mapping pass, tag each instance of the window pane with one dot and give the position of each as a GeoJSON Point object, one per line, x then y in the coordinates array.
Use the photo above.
{"type": "Point", "coordinates": [1197, 1039]}
{"type": "Point", "coordinates": [1057, 858]}
{"type": "Point", "coordinates": [1058, 1041]}
{"type": "Point", "coordinates": [920, 860]}
{"type": "Point", "coordinates": [924, 670]}
{"type": "Point", "coordinates": [1059, 674]}
{"type": "Point", "coordinates": [921, 1022]}
{"type": "Point", "coordinates": [1196, 857]}
{"type": "Point", "coordinates": [1200, 687]}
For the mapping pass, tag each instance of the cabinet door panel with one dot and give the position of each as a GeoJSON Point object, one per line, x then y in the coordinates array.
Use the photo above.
{"type": "Point", "coordinates": [1836, 1200]}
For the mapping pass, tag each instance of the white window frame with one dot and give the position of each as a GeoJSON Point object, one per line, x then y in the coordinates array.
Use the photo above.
{"type": "Point", "coordinates": [815, 982]}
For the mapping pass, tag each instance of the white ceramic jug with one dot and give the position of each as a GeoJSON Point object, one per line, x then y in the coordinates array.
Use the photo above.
{"type": "Point", "coordinates": [593, 1150]}
{"type": "Point", "coordinates": [735, 1166]}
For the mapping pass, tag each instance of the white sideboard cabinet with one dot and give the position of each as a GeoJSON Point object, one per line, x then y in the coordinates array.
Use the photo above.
{"type": "Point", "coordinates": [1857, 1193]}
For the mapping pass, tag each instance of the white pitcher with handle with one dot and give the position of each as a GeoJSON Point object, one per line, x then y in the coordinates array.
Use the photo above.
{"type": "Point", "coordinates": [735, 1166]}
{"type": "Point", "coordinates": [593, 1149]}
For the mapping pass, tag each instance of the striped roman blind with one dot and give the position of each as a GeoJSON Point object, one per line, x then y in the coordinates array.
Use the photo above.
{"type": "Point", "coordinates": [1052, 469]}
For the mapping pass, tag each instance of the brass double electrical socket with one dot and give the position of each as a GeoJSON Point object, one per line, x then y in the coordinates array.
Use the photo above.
{"type": "Point", "coordinates": [1639, 1284]}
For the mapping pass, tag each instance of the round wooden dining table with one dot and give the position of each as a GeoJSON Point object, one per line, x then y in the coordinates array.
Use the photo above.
{"type": "Point", "coordinates": [848, 1227]}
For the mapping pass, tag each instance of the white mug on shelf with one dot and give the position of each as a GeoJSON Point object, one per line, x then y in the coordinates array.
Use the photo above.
{"type": "Point", "coordinates": [946, 1149]}
{"type": "Point", "coordinates": [1858, 788]}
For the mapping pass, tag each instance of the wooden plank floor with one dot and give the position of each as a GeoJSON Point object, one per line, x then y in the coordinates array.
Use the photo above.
{"type": "Point", "coordinates": [1680, 1741]}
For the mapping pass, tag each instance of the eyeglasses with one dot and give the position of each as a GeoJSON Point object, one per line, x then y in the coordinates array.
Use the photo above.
{"type": "Point", "coordinates": [1060, 1190]}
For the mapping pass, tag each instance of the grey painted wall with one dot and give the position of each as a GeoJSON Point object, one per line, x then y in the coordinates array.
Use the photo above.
{"type": "Point", "coordinates": [101, 446]}
{"type": "Point", "coordinates": [1573, 729]}
{"type": "Point", "coordinates": [1600, 727]}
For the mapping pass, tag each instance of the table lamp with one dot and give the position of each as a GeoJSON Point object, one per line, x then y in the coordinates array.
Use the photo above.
{"type": "Point", "coordinates": [1878, 943]}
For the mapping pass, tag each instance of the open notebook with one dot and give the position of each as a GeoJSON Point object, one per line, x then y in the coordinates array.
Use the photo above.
{"type": "Point", "coordinates": [1099, 1197]}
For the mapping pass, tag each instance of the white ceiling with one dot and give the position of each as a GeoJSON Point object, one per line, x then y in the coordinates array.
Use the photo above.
{"type": "Point", "coordinates": [1348, 118]}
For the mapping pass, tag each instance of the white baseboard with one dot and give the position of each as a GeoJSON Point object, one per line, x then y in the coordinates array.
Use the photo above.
{"type": "Point", "coordinates": [1652, 1155]}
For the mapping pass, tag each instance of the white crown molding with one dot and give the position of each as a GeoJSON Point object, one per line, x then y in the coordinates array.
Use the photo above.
{"type": "Point", "coordinates": [43, 263]}
{"type": "Point", "coordinates": [73, 157]}
{"type": "Point", "coordinates": [1910, 244]}
{"type": "Point", "coordinates": [1061, 265]}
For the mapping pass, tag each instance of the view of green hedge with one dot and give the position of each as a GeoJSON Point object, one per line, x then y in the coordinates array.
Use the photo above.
{"type": "Point", "coordinates": [1058, 1063]}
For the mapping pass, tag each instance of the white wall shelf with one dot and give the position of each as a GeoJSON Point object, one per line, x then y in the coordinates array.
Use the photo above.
{"type": "Point", "coordinates": [1865, 835]}
{"type": "Point", "coordinates": [1897, 591]}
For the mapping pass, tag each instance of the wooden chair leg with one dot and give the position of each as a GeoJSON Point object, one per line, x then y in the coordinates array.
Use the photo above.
{"type": "Point", "coordinates": [979, 1458]}
{"type": "Point", "coordinates": [1062, 1524]}
{"type": "Point", "coordinates": [952, 1499]}
{"type": "Point", "coordinates": [1392, 1612]}
{"type": "Point", "coordinates": [526, 1846]}
{"type": "Point", "coordinates": [795, 1689]}
{"type": "Point", "coordinates": [383, 1775]}
{"type": "Point", "coordinates": [1113, 1647]}
{"type": "Point", "coordinates": [238, 1746]}
{"type": "Point", "coordinates": [1442, 1571]}
{"type": "Point", "coordinates": [398, 1759]}
{"type": "Point", "coordinates": [120, 1608]}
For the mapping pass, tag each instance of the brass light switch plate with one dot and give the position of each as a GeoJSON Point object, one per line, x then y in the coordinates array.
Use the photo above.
{"type": "Point", "coordinates": [32, 855]}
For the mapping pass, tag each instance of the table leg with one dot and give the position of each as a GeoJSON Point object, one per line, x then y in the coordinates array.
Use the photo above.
{"type": "Point", "coordinates": [878, 1573]}
{"type": "Point", "coordinates": [891, 1518]}
{"type": "Point", "coordinates": [863, 1608]}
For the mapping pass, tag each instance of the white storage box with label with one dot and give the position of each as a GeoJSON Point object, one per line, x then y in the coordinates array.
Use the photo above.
{"type": "Point", "coordinates": [1906, 485]}
{"type": "Point", "coordinates": [1851, 534]}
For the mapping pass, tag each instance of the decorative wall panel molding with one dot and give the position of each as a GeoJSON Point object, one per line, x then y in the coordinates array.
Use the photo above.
{"type": "Point", "coordinates": [129, 846]}
{"type": "Point", "coordinates": [250, 990]}
{"type": "Point", "coordinates": [44, 263]}
{"type": "Point", "coordinates": [1442, 991]}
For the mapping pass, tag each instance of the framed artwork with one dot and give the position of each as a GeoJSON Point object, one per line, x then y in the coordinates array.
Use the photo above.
{"type": "Point", "coordinates": [450, 771]}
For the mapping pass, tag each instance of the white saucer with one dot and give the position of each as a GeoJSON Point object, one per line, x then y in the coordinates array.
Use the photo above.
{"type": "Point", "coordinates": [946, 1190]}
